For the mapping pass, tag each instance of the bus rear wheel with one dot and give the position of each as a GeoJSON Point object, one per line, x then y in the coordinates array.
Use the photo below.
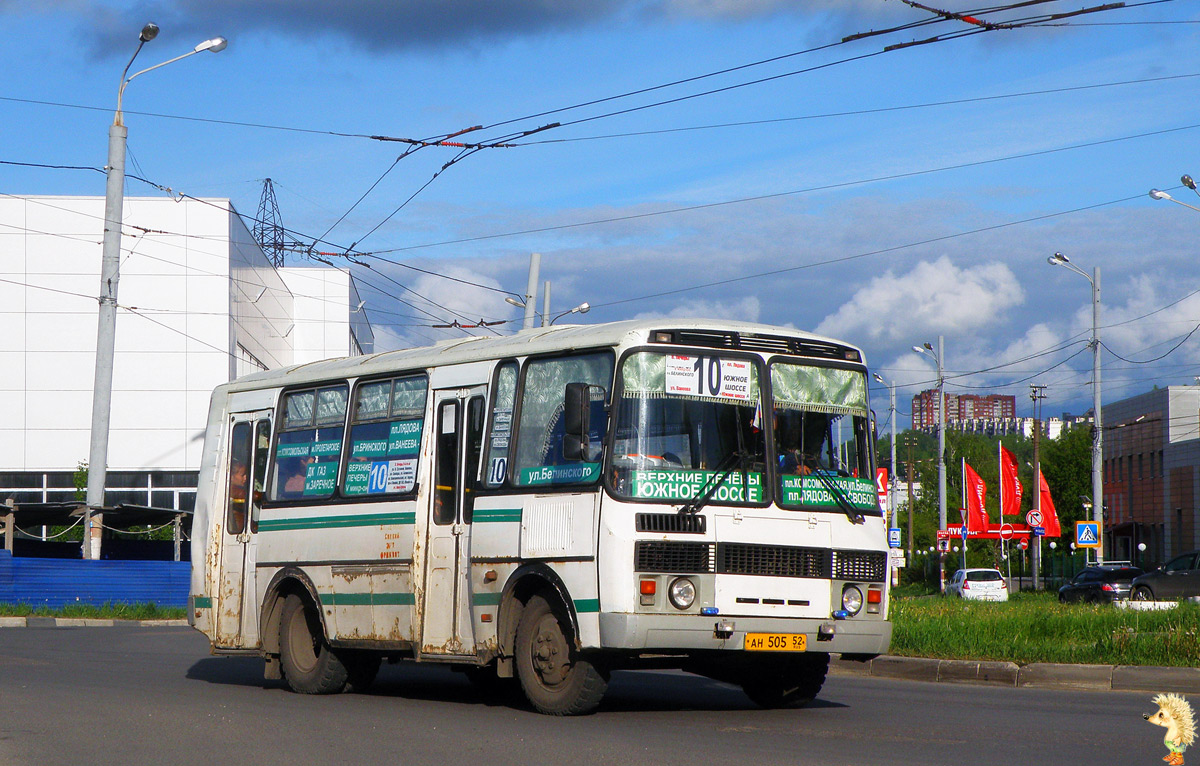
{"type": "Point", "coordinates": [794, 683]}
{"type": "Point", "coordinates": [555, 679]}
{"type": "Point", "coordinates": [309, 665]}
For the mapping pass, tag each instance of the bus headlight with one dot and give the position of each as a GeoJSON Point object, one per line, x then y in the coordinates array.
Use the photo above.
{"type": "Point", "coordinates": [682, 593]}
{"type": "Point", "coordinates": [852, 599]}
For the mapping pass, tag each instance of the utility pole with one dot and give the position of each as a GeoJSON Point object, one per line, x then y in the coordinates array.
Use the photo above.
{"type": "Point", "coordinates": [535, 261]}
{"type": "Point", "coordinates": [1036, 393]}
{"type": "Point", "coordinates": [909, 475]}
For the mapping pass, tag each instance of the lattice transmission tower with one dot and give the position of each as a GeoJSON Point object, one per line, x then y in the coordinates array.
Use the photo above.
{"type": "Point", "coordinates": [268, 227]}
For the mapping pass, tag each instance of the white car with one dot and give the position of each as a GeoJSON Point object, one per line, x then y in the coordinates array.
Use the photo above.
{"type": "Point", "coordinates": [978, 585]}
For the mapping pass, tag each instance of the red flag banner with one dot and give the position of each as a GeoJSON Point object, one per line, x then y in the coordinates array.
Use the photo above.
{"type": "Point", "coordinates": [1049, 515]}
{"type": "Point", "coordinates": [977, 518]}
{"type": "Point", "coordinates": [1011, 506]}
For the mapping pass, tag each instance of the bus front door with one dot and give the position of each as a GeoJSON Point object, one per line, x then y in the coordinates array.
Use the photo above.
{"type": "Point", "coordinates": [245, 476]}
{"type": "Point", "coordinates": [446, 625]}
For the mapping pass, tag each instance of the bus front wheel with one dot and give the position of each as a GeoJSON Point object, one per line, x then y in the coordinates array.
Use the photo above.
{"type": "Point", "coordinates": [309, 664]}
{"type": "Point", "coordinates": [556, 680]}
{"type": "Point", "coordinates": [795, 683]}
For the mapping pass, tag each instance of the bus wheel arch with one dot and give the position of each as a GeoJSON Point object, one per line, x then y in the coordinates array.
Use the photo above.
{"type": "Point", "coordinates": [525, 583]}
{"type": "Point", "coordinates": [286, 582]}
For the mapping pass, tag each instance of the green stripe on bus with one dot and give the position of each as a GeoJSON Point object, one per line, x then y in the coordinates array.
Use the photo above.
{"type": "Point", "coordinates": [328, 522]}
{"type": "Point", "coordinates": [202, 602]}
{"type": "Point", "coordinates": [485, 515]}
{"type": "Point", "coordinates": [486, 599]}
{"type": "Point", "coordinates": [368, 599]}
{"type": "Point", "coordinates": [587, 605]}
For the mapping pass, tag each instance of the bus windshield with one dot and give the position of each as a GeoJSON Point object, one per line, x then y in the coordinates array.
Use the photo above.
{"type": "Point", "coordinates": [821, 433]}
{"type": "Point", "coordinates": [687, 424]}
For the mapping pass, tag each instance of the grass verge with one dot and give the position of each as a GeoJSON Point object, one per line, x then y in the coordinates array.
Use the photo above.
{"type": "Point", "coordinates": [1034, 627]}
{"type": "Point", "coordinates": [106, 611]}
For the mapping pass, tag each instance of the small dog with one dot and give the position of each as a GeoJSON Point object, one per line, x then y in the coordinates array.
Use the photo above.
{"type": "Point", "coordinates": [1175, 715]}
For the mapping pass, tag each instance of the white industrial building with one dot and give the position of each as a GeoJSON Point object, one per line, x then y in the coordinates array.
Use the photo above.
{"type": "Point", "coordinates": [199, 304]}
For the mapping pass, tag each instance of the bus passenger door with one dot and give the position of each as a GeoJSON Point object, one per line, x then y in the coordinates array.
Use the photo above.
{"type": "Point", "coordinates": [245, 477]}
{"type": "Point", "coordinates": [446, 627]}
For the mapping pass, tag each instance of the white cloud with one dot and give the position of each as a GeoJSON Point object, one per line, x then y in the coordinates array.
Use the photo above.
{"type": "Point", "coordinates": [745, 309]}
{"type": "Point", "coordinates": [936, 297]}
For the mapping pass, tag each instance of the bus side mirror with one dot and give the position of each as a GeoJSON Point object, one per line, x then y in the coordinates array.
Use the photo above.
{"type": "Point", "coordinates": [577, 409]}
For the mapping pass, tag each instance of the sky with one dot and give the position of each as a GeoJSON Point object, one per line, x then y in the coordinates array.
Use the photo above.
{"type": "Point", "coordinates": [731, 159]}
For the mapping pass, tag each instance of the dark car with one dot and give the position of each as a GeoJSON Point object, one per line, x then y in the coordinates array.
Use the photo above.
{"type": "Point", "coordinates": [1100, 584]}
{"type": "Point", "coordinates": [1178, 578]}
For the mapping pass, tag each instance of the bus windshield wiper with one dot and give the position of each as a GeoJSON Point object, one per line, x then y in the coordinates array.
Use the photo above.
{"type": "Point", "coordinates": [720, 475]}
{"type": "Point", "coordinates": [839, 497]}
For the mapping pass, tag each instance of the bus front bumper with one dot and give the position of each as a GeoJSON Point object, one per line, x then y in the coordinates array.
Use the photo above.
{"type": "Point", "coordinates": [620, 630]}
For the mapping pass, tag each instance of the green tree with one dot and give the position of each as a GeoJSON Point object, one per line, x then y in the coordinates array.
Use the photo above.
{"type": "Point", "coordinates": [1067, 466]}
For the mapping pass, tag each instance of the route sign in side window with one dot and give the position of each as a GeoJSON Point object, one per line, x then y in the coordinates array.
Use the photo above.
{"type": "Point", "coordinates": [309, 449]}
{"type": "Point", "coordinates": [505, 395]}
{"type": "Point", "coordinates": [385, 437]}
{"type": "Point", "coordinates": [539, 458]}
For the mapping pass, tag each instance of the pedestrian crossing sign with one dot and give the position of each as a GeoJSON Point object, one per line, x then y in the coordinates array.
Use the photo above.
{"type": "Point", "coordinates": [1087, 534]}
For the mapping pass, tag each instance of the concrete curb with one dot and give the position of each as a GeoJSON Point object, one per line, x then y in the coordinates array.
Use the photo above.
{"type": "Point", "coordinates": [1039, 675]}
{"type": "Point", "coordinates": [76, 622]}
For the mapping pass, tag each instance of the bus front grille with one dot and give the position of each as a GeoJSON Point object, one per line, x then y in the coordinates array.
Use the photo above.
{"type": "Point", "coordinates": [772, 560]}
{"type": "Point", "coordinates": [670, 522]}
{"type": "Point", "coordinates": [865, 566]}
{"type": "Point", "coordinates": [683, 557]}
{"type": "Point", "coordinates": [670, 556]}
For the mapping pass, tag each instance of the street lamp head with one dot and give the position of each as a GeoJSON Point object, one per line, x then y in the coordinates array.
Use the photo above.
{"type": "Point", "coordinates": [514, 302]}
{"type": "Point", "coordinates": [1187, 181]}
{"type": "Point", "coordinates": [1057, 258]}
{"type": "Point", "coordinates": [927, 346]}
{"type": "Point", "coordinates": [149, 32]}
{"type": "Point", "coordinates": [878, 379]}
{"type": "Point", "coordinates": [1156, 194]}
{"type": "Point", "coordinates": [918, 349]}
{"type": "Point", "coordinates": [584, 307]}
{"type": "Point", "coordinates": [216, 45]}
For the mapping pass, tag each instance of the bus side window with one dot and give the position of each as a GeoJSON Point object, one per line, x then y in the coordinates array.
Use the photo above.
{"type": "Point", "coordinates": [539, 457]}
{"type": "Point", "coordinates": [445, 480]}
{"type": "Point", "coordinates": [309, 448]}
{"type": "Point", "coordinates": [239, 478]}
{"type": "Point", "coordinates": [385, 437]}
{"type": "Point", "coordinates": [504, 395]}
{"type": "Point", "coordinates": [476, 414]}
{"type": "Point", "coordinates": [262, 454]}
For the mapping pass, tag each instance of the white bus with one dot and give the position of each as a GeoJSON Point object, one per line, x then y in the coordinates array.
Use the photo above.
{"type": "Point", "coordinates": [550, 506]}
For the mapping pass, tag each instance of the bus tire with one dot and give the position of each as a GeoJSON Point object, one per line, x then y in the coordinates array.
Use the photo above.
{"type": "Point", "coordinates": [555, 679]}
{"type": "Point", "coordinates": [792, 684]}
{"type": "Point", "coordinates": [309, 665]}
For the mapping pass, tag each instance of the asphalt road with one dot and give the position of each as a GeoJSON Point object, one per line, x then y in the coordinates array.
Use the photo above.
{"type": "Point", "coordinates": [130, 695]}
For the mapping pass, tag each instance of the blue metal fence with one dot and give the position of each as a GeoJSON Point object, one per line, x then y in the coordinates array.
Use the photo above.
{"type": "Point", "coordinates": [56, 583]}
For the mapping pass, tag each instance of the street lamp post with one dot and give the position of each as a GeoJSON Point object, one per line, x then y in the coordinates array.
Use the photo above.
{"type": "Point", "coordinates": [582, 308]}
{"type": "Point", "coordinates": [1187, 181]}
{"type": "Point", "coordinates": [891, 488]}
{"type": "Point", "coordinates": [891, 465]}
{"type": "Point", "coordinates": [927, 349]}
{"type": "Point", "coordinates": [106, 325]}
{"type": "Point", "coordinates": [1058, 259]}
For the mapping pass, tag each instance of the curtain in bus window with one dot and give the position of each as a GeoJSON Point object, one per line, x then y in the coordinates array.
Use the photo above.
{"type": "Point", "coordinates": [385, 439]}
{"type": "Point", "coordinates": [819, 389]}
{"type": "Point", "coordinates": [502, 412]}
{"type": "Point", "coordinates": [308, 453]}
{"type": "Point", "coordinates": [539, 458]}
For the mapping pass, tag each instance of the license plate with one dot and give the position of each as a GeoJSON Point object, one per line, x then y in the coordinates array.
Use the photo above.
{"type": "Point", "coordinates": [776, 642]}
